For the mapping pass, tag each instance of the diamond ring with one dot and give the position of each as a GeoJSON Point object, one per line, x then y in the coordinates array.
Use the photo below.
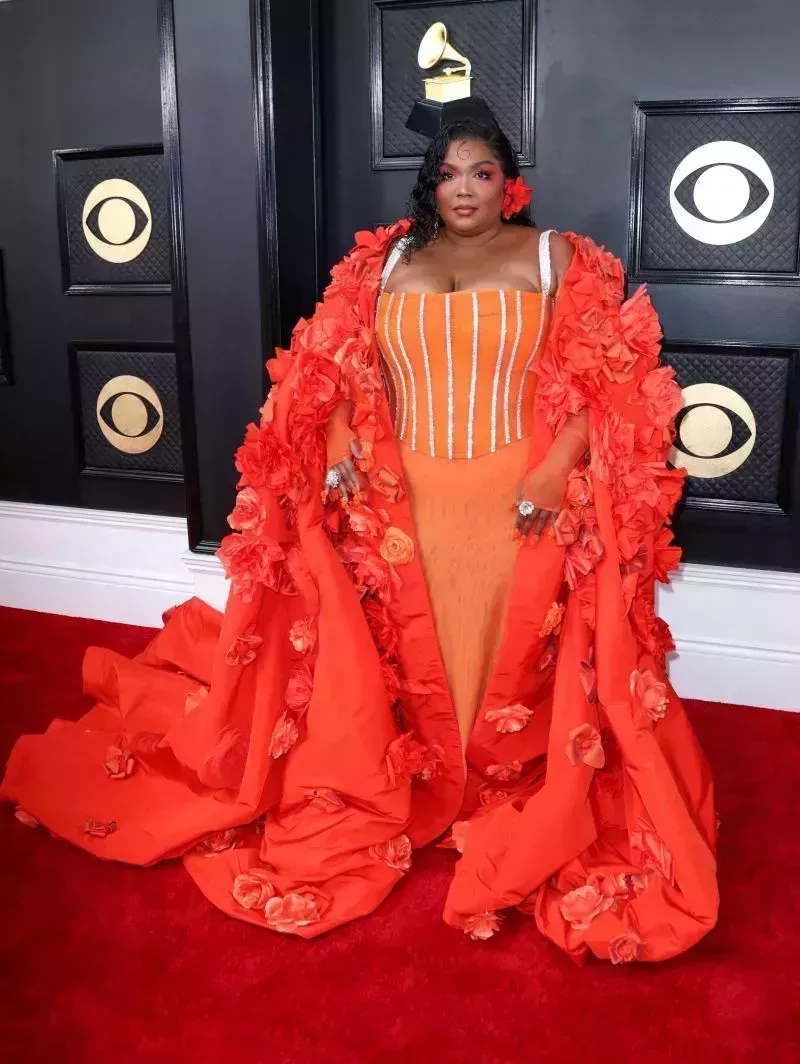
{"type": "Point", "coordinates": [526, 508]}
{"type": "Point", "coordinates": [333, 478]}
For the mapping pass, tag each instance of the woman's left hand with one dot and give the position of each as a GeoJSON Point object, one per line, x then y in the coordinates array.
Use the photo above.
{"type": "Point", "coordinates": [545, 487]}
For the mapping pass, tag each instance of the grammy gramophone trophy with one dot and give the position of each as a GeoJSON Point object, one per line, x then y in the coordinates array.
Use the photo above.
{"type": "Point", "coordinates": [448, 95]}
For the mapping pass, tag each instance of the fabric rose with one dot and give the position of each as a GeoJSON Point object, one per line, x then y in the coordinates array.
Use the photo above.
{"type": "Point", "coordinates": [584, 746]}
{"type": "Point", "coordinates": [291, 911]}
{"type": "Point", "coordinates": [566, 528]}
{"type": "Point", "coordinates": [481, 925]}
{"type": "Point", "coordinates": [366, 522]}
{"type": "Point", "coordinates": [553, 618]}
{"type": "Point", "coordinates": [284, 736]}
{"type": "Point", "coordinates": [510, 718]}
{"type": "Point", "coordinates": [505, 773]}
{"type": "Point", "coordinates": [666, 556]}
{"type": "Point", "coordinates": [649, 695]}
{"type": "Point", "coordinates": [612, 448]}
{"type": "Point", "coordinates": [396, 853]}
{"type": "Point", "coordinates": [382, 626]}
{"type": "Point", "coordinates": [253, 889]}
{"type": "Point", "coordinates": [577, 565]}
{"type": "Point", "coordinates": [489, 795]}
{"type": "Point", "coordinates": [265, 461]}
{"type": "Point", "coordinates": [250, 562]}
{"type": "Point", "coordinates": [217, 842]}
{"type": "Point", "coordinates": [26, 818]}
{"type": "Point", "coordinates": [620, 361]}
{"type": "Point", "coordinates": [324, 798]}
{"type": "Point", "coordinates": [640, 326]}
{"type": "Point", "coordinates": [396, 547]}
{"type": "Point", "coordinates": [249, 513]}
{"type": "Point", "coordinates": [303, 635]}
{"type": "Point", "coordinates": [625, 947]}
{"type": "Point", "coordinates": [580, 906]}
{"type": "Point", "coordinates": [242, 650]}
{"type": "Point", "coordinates": [299, 688]}
{"type": "Point", "coordinates": [119, 763]}
{"type": "Point", "coordinates": [387, 483]}
{"type": "Point", "coordinates": [371, 572]}
{"type": "Point", "coordinates": [661, 395]}
{"type": "Point", "coordinates": [579, 490]}
{"type": "Point", "coordinates": [637, 883]}
{"type": "Point", "coordinates": [652, 853]}
{"type": "Point", "coordinates": [406, 757]}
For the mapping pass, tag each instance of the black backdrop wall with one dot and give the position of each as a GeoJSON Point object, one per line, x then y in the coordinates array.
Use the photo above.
{"type": "Point", "coordinates": [270, 156]}
{"type": "Point", "coordinates": [82, 75]}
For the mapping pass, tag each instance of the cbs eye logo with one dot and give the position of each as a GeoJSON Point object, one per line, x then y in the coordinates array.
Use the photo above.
{"type": "Point", "coordinates": [716, 431]}
{"type": "Point", "coordinates": [732, 175]}
{"type": "Point", "coordinates": [117, 220]}
{"type": "Point", "coordinates": [130, 414]}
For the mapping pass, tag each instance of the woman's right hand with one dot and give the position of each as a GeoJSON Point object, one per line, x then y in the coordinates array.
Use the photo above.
{"type": "Point", "coordinates": [351, 478]}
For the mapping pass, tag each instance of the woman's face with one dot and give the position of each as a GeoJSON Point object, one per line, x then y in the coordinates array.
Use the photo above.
{"type": "Point", "coordinates": [469, 194]}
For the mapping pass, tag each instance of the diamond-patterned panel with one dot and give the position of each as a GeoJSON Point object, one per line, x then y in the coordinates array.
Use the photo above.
{"type": "Point", "coordinates": [762, 381]}
{"type": "Point", "coordinates": [489, 34]}
{"type": "Point", "coordinates": [81, 174]}
{"type": "Point", "coordinates": [141, 434]}
{"type": "Point", "coordinates": [773, 248]}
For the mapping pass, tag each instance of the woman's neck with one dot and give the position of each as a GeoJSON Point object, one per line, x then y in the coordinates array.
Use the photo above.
{"type": "Point", "coordinates": [471, 240]}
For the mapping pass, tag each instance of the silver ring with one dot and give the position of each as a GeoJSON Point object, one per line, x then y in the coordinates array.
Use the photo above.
{"type": "Point", "coordinates": [333, 478]}
{"type": "Point", "coordinates": [526, 508]}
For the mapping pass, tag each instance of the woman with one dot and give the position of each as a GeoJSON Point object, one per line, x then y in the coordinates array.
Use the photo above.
{"type": "Point", "coordinates": [440, 625]}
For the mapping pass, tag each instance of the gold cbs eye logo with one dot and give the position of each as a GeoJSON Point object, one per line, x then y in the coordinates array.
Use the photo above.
{"type": "Point", "coordinates": [130, 414]}
{"type": "Point", "coordinates": [716, 431]}
{"type": "Point", "coordinates": [117, 220]}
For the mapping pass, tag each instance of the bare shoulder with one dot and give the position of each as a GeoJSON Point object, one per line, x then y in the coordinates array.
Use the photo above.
{"type": "Point", "coordinates": [561, 254]}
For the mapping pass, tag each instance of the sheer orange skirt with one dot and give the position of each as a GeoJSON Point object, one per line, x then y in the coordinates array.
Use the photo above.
{"type": "Point", "coordinates": [464, 516]}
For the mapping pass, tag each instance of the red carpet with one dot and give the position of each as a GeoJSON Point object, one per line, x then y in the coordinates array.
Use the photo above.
{"type": "Point", "coordinates": [103, 962]}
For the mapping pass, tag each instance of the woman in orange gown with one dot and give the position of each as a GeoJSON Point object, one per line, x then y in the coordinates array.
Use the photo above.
{"type": "Point", "coordinates": [408, 654]}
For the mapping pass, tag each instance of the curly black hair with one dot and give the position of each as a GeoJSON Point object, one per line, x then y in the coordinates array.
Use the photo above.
{"type": "Point", "coordinates": [422, 205]}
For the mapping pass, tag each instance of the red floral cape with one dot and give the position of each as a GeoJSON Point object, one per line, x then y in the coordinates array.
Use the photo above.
{"type": "Point", "coordinates": [303, 744]}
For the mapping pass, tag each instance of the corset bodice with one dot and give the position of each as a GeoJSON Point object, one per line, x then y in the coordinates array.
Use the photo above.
{"type": "Point", "coordinates": [459, 367]}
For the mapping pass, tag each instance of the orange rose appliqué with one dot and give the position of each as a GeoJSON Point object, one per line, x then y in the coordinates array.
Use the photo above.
{"type": "Point", "coordinates": [510, 718]}
{"type": "Point", "coordinates": [253, 889]}
{"type": "Point", "coordinates": [396, 547]}
{"type": "Point", "coordinates": [584, 747]}
{"type": "Point", "coordinates": [481, 925]}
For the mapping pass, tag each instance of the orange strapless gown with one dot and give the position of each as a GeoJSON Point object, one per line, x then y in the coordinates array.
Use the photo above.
{"type": "Point", "coordinates": [459, 368]}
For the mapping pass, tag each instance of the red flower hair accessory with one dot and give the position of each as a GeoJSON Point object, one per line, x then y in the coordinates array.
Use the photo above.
{"type": "Point", "coordinates": [516, 195]}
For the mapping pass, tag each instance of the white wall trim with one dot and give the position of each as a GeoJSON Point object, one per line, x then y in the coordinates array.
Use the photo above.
{"type": "Point", "coordinates": [737, 631]}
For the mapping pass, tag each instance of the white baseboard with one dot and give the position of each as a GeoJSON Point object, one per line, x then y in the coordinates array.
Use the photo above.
{"type": "Point", "coordinates": [93, 563]}
{"type": "Point", "coordinates": [737, 631]}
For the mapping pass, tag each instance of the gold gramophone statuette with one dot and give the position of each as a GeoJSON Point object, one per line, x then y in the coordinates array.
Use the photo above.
{"type": "Point", "coordinates": [454, 83]}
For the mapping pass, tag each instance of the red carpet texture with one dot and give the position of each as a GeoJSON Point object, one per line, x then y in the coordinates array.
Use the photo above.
{"type": "Point", "coordinates": [103, 962]}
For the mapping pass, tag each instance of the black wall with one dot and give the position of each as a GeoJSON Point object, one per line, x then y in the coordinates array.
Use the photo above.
{"type": "Point", "coordinates": [79, 75]}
